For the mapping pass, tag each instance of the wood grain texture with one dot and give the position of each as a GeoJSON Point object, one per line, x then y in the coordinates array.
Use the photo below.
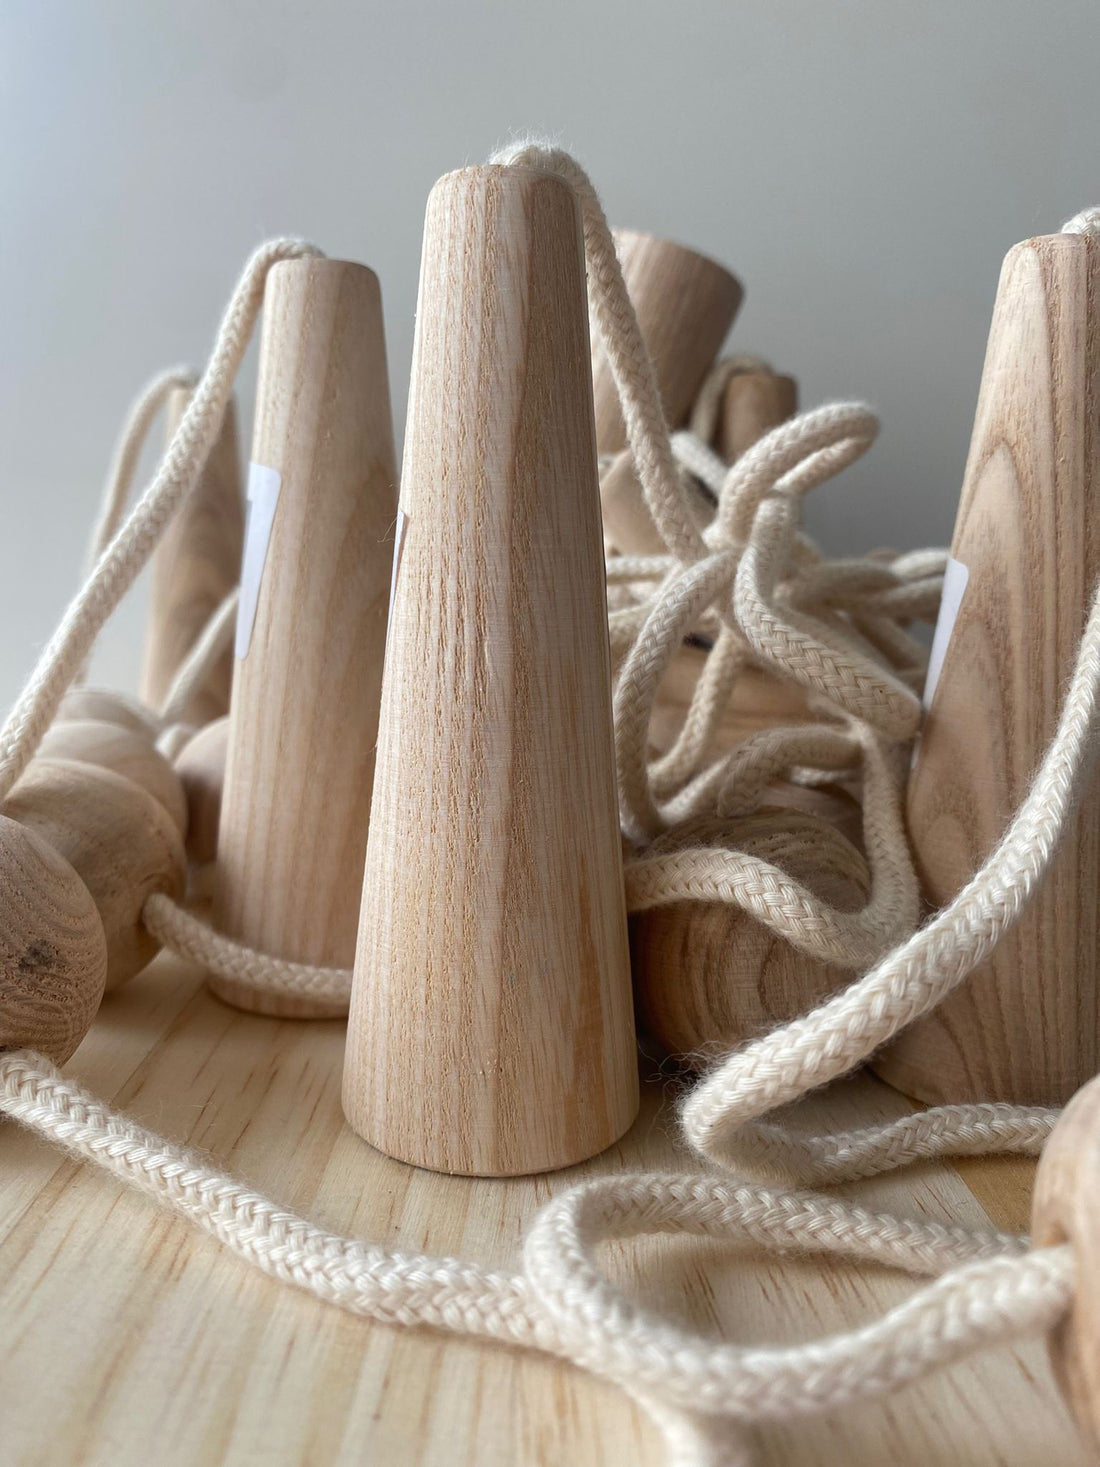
{"type": "Point", "coordinates": [53, 952]}
{"type": "Point", "coordinates": [120, 841]}
{"type": "Point", "coordinates": [753, 404]}
{"type": "Point", "coordinates": [1026, 1025]}
{"type": "Point", "coordinates": [685, 304]}
{"type": "Point", "coordinates": [1067, 1210]}
{"type": "Point", "coordinates": [493, 963]}
{"type": "Point", "coordinates": [111, 746]}
{"type": "Point", "coordinates": [300, 757]}
{"type": "Point", "coordinates": [200, 767]}
{"type": "Point", "coordinates": [708, 975]}
{"type": "Point", "coordinates": [130, 1339]}
{"type": "Point", "coordinates": [195, 566]}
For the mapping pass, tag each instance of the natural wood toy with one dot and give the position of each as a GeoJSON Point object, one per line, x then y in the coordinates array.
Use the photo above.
{"type": "Point", "coordinates": [311, 629]}
{"type": "Point", "coordinates": [100, 705]}
{"type": "Point", "coordinates": [1026, 553]}
{"type": "Point", "coordinates": [200, 767]}
{"type": "Point", "coordinates": [53, 951]}
{"type": "Point", "coordinates": [1066, 1209]}
{"type": "Point", "coordinates": [685, 304]}
{"type": "Point", "coordinates": [195, 566]}
{"type": "Point", "coordinates": [116, 836]}
{"type": "Point", "coordinates": [491, 1028]}
{"type": "Point", "coordinates": [126, 752]}
{"type": "Point", "coordinates": [754, 402]}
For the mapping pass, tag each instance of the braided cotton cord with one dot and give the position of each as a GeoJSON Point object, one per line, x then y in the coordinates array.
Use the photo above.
{"type": "Point", "coordinates": [131, 441]}
{"type": "Point", "coordinates": [189, 937]}
{"type": "Point", "coordinates": [561, 1304]}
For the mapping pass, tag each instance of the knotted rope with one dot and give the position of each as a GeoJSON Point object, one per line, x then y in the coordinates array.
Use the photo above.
{"type": "Point", "coordinates": [750, 584]}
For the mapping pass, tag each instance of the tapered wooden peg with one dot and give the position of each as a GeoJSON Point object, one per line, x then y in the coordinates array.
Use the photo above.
{"type": "Point", "coordinates": [1066, 1209]}
{"type": "Point", "coordinates": [311, 628]}
{"type": "Point", "coordinates": [685, 304]}
{"type": "Point", "coordinates": [491, 1030]}
{"type": "Point", "coordinates": [753, 403]}
{"type": "Point", "coordinates": [195, 566]}
{"type": "Point", "coordinates": [1025, 1026]}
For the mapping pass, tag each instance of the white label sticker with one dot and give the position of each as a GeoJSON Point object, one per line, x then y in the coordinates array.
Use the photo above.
{"type": "Point", "coordinates": [398, 546]}
{"type": "Point", "coordinates": [955, 578]}
{"type": "Point", "coordinates": [263, 498]}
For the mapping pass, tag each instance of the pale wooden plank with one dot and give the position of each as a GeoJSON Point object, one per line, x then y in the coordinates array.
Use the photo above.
{"type": "Point", "coordinates": [131, 1339]}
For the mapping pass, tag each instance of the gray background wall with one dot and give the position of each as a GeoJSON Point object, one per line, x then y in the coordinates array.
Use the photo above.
{"type": "Point", "coordinates": [862, 167]}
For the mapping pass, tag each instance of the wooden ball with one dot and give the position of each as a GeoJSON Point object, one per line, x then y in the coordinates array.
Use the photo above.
{"type": "Point", "coordinates": [120, 841]}
{"type": "Point", "coordinates": [53, 951]}
{"type": "Point", "coordinates": [708, 975]}
{"type": "Point", "coordinates": [200, 766]}
{"type": "Point", "coordinates": [1066, 1209]}
{"type": "Point", "coordinates": [111, 746]}
{"type": "Point", "coordinates": [80, 704]}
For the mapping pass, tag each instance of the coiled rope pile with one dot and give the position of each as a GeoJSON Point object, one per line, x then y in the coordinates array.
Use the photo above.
{"type": "Point", "coordinates": [755, 588]}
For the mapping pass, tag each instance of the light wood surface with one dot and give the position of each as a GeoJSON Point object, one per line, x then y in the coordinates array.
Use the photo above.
{"type": "Point", "coordinates": [53, 952]}
{"type": "Point", "coordinates": [120, 841]}
{"type": "Point", "coordinates": [131, 754]}
{"type": "Point", "coordinates": [708, 975]}
{"type": "Point", "coordinates": [200, 767]}
{"type": "Point", "coordinates": [195, 566]}
{"type": "Point", "coordinates": [493, 964]}
{"type": "Point", "coordinates": [106, 706]}
{"type": "Point", "coordinates": [300, 758]}
{"type": "Point", "coordinates": [753, 404]}
{"type": "Point", "coordinates": [132, 1340]}
{"type": "Point", "coordinates": [1026, 1025]}
{"type": "Point", "coordinates": [685, 304]}
{"type": "Point", "coordinates": [1067, 1210]}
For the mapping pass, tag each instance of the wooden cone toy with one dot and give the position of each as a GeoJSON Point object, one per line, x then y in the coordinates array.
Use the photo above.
{"type": "Point", "coordinates": [195, 566]}
{"type": "Point", "coordinates": [311, 630]}
{"type": "Point", "coordinates": [491, 1029]}
{"type": "Point", "coordinates": [1025, 1026]}
{"type": "Point", "coordinates": [753, 404]}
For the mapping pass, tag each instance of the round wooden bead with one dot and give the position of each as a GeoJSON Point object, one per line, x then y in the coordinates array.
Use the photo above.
{"type": "Point", "coordinates": [120, 841]}
{"type": "Point", "coordinates": [111, 746]}
{"type": "Point", "coordinates": [109, 707]}
{"type": "Point", "coordinates": [200, 766]}
{"type": "Point", "coordinates": [1066, 1209]}
{"type": "Point", "coordinates": [708, 975]}
{"type": "Point", "coordinates": [53, 951]}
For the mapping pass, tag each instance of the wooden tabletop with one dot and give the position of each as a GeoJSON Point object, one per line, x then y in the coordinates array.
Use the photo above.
{"type": "Point", "coordinates": [131, 1339]}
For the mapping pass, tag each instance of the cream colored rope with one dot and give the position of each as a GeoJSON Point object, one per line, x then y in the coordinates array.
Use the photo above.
{"type": "Point", "coordinates": [763, 595]}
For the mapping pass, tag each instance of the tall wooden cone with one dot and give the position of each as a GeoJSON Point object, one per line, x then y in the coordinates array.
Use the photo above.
{"type": "Point", "coordinates": [312, 628]}
{"type": "Point", "coordinates": [1025, 1026]}
{"type": "Point", "coordinates": [491, 1029]}
{"type": "Point", "coordinates": [195, 566]}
